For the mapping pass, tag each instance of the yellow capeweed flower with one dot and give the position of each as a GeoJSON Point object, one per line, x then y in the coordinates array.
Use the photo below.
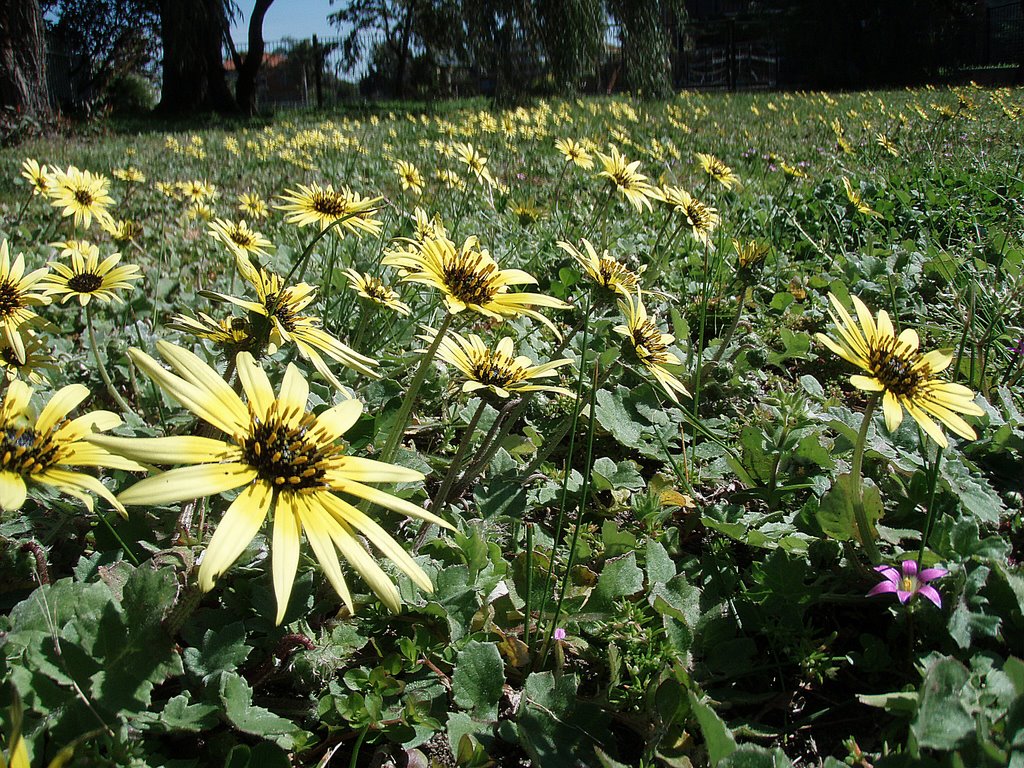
{"type": "Point", "coordinates": [17, 295]}
{"type": "Point", "coordinates": [121, 230]}
{"type": "Point", "coordinates": [702, 219]}
{"type": "Point", "coordinates": [604, 270]}
{"type": "Point", "coordinates": [857, 201]}
{"type": "Point", "coordinates": [196, 191]}
{"type": "Point", "coordinates": [900, 373]}
{"type": "Point", "coordinates": [43, 448]}
{"type": "Point", "coordinates": [232, 334]}
{"type": "Point", "coordinates": [131, 175]}
{"type": "Point", "coordinates": [575, 153]}
{"type": "Point", "coordinates": [374, 289]}
{"type": "Point", "coordinates": [282, 305]}
{"type": "Point", "coordinates": [650, 345]}
{"type": "Point", "coordinates": [239, 237]}
{"type": "Point", "coordinates": [499, 370]}
{"type": "Point", "coordinates": [626, 179]}
{"type": "Point", "coordinates": [37, 359]}
{"type": "Point", "coordinates": [475, 162]}
{"type": "Point", "coordinates": [469, 278]}
{"type": "Point", "coordinates": [253, 206]}
{"type": "Point", "coordinates": [87, 277]}
{"type": "Point", "coordinates": [324, 206]}
{"type": "Point", "coordinates": [718, 170]}
{"type": "Point", "coordinates": [82, 194]}
{"type": "Point", "coordinates": [38, 176]}
{"type": "Point", "coordinates": [410, 176]}
{"type": "Point", "coordinates": [283, 458]}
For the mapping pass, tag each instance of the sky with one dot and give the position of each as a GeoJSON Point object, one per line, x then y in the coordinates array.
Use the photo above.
{"type": "Point", "coordinates": [288, 18]}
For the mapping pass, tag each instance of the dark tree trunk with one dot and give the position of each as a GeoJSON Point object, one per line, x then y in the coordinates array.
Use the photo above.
{"type": "Point", "coordinates": [192, 32]}
{"type": "Point", "coordinates": [245, 90]}
{"type": "Point", "coordinates": [23, 84]}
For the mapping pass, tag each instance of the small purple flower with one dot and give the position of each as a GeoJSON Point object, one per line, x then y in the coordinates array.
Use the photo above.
{"type": "Point", "coordinates": [559, 634]}
{"type": "Point", "coordinates": [1018, 348]}
{"type": "Point", "coordinates": [909, 582]}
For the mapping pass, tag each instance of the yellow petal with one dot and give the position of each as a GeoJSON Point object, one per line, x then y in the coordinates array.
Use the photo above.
{"type": "Point", "coordinates": [892, 411]}
{"type": "Point", "coordinates": [909, 338]}
{"type": "Point", "coordinates": [930, 427]}
{"type": "Point", "coordinates": [237, 528]}
{"type": "Point", "coordinates": [12, 491]}
{"type": "Point", "coordinates": [294, 390]}
{"type": "Point", "coordinates": [177, 449]}
{"type": "Point", "coordinates": [867, 383]}
{"type": "Point", "coordinates": [388, 501]}
{"type": "Point", "coordinates": [370, 471]}
{"type": "Point", "coordinates": [366, 567]}
{"type": "Point", "coordinates": [938, 359]}
{"type": "Point", "coordinates": [187, 483]}
{"type": "Point", "coordinates": [194, 370]}
{"type": "Point", "coordinates": [255, 383]}
{"type": "Point", "coordinates": [338, 420]}
{"type": "Point", "coordinates": [62, 402]}
{"type": "Point", "coordinates": [317, 524]}
{"type": "Point", "coordinates": [69, 482]}
{"type": "Point", "coordinates": [285, 550]}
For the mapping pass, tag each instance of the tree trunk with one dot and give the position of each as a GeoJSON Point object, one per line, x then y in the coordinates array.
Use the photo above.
{"type": "Point", "coordinates": [23, 85]}
{"type": "Point", "coordinates": [245, 89]}
{"type": "Point", "coordinates": [192, 32]}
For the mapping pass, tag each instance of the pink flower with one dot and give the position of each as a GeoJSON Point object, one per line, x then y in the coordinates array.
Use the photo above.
{"type": "Point", "coordinates": [559, 634]}
{"type": "Point", "coordinates": [909, 582]}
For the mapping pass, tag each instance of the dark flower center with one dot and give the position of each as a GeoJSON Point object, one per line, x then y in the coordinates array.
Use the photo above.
{"type": "Point", "coordinates": [244, 239]}
{"type": "Point", "coordinates": [647, 343]}
{"type": "Point", "coordinates": [84, 198]}
{"type": "Point", "coordinates": [286, 453]}
{"type": "Point", "coordinates": [496, 370]}
{"type": "Point", "coordinates": [613, 273]}
{"type": "Point", "coordinates": [84, 282]}
{"type": "Point", "coordinates": [698, 215]}
{"type": "Point", "coordinates": [470, 280]}
{"type": "Point", "coordinates": [328, 204]}
{"type": "Point", "coordinates": [10, 299]}
{"type": "Point", "coordinates": [23, 451]}
{"type": "Point", "coordinates": [280, 308]}
{"type": "Point", "coordinates": [898, 368]}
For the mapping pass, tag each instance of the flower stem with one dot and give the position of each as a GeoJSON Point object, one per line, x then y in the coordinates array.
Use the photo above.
{"type": "Point", "coordinates": [405, 410]}
{"type": "Point", "coordinates": [114, 394]}
{"type": "Point", "coordinates": [933, 477]}
{"type": "Point", "coordinates": [453, 469]}
{"type": "Point", "coordinates": [863, 527]}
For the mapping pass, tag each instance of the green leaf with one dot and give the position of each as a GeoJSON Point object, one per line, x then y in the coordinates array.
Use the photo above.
{"type": "Point", "coordinates": [223, 650]}
{"type": "Point", "coordinates": [607, 475]}
{"type": "Point", "coordinates": [611, 413]}
{"type": "Point", "coordinates": [754, 756]}
{"type": "Point", "coordinates": [973, 491]}
{"type": "Point", "coordinates": [619, 577]}
{"type": "Point", "coordinates": [179, 715]}
{"type": "Point", "coordinates": [660, 567]}
{"type": "Point", "coordinates": [236, 696]}
{"type": "Point", "coordinates": [478, 679]}
{"type": "Point", "coordinates": [835, 513]}
{"type": "Point", "coordinates": [554, 727]}
{"type": "Point", "coordinates": [717, 736]}
{"type": "Point", "coordinates": [942, 721]}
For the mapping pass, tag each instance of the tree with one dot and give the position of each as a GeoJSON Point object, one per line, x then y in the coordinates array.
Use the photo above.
{"type": "Point", "coordinates": [23, 86]}
{"type": "Point", "coordinates": [193, 34]}
{"type": "Point", "coordinates": [104, 40]}
{"type": "Point", "coordinates": [389, 24]}
{"type": "Point", "coordinates": [248, 67]}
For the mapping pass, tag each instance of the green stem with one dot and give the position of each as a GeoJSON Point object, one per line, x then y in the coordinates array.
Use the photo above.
{"type": "Point", "coordinates": [507, 417]}
{"type": "Point", "coordinates": [863, 527]}
{"type": "Point", "coordinates": [732, 328]}
{"type": "Point", "coordinates": [405, 411]}
{"type": "Point", "coordinates": [453, 469]}
{"type": "Point", "coordinates": [114, 394]}
{"type": "Point", "coordinates": [933, 477]}
{"type": "Point", "coordinates": [529, 584]}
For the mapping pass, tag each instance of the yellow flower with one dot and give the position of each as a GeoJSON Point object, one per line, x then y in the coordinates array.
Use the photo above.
{"type": "Point", "coordinates": [253, 206]}
{"type": "Point", "coordinates": [82, 194]}
{"type": "Point", "coordinates": [38, 176]}
{"type": "Point", "coordinates": [703, 219]}
{"type": "Point", "coordinates": [626, 179]}
{"type": "Point", "coordinates": [469, 278]}
{"type": "Point", "coordinates": [750, 254]}
{"type": "Point", "coordinates": [885, 143]}
{"type": "Point", "coordinates": [857, 201]}
{"type": "Point", "coordinates": [121, 230]}
{"type": "Point", "coordinates": [792, 171]}
{"type": "Point", "coordinates": [905, 377]}
{"type": "Point", "coordinates": [239, 238]}
{"type": "Point", "coordinates": [410, 176]}
{"type": "Point", "coordinates": [324, 206]}
{"type": "Point", "coordinates": [42, 449]}
{"type": "Point", "coordinates": [475, 161]}
{"type": "Point", "coordinates": [718, 170]}
{"type": "Point", "coordinates": [283, 458]}
{"type": "Point", "coordinates": [281, 305]}
{"type": "Point", "coordinates": [16, 298]}
{"type": "Point", "coordinates": [131, 174]}
{"type": "Point", "coordinates": [87, 277]}
{"type": "Point", "coordinates": [498, 370]}
{"type": "Point", "coordinates": [650, 346]}
{"type": "Point", "coordinates": [37, 363]}
{"type": "Point", "coordinates": [575, 153]}
{"type": "Point", "coordinates": [374, 289]}
{"type": "Point", "coordinates": [196, 191]}
{"type": "Point", "coordinates": [427, 226]}
{"type": "Point", "coordinates": [604, 270]}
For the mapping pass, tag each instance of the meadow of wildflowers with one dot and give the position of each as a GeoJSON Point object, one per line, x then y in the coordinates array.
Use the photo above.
{"type": "Point", "coordinates": [594, 432]}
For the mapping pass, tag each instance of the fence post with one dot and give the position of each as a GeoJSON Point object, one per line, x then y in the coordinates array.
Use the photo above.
{"type": "Point", "coordinates": [319, 73]}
